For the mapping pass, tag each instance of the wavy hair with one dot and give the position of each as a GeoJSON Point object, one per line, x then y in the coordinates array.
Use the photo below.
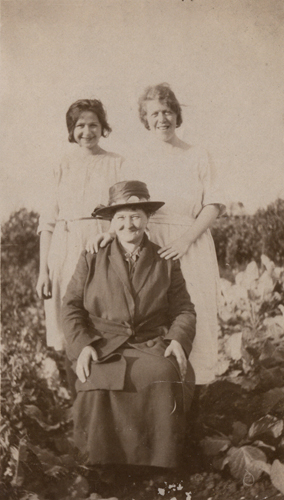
{"type": "Point", "coordinates": [75, 110]}
{"type": "Point", "coordinates": [163, 93]}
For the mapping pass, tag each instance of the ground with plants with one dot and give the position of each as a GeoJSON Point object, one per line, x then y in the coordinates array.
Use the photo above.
{"type": "Point", "coordinates": [235, 446]}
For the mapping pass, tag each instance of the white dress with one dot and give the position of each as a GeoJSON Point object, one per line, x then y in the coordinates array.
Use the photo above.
{"type": "Point", "coordinates": [185, 180]}
{"type": "Point", "coordinates": [81, 183]}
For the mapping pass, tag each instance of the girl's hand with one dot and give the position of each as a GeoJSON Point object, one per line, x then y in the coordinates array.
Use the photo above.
{"type": "Point", "coordinates": [99, 241]}
{"type": "Point", "coordinates": [83, 363]}
{"type": "Point", "coordinates": [177, 351]}
{"type": "Point", "coordinates": [43, 287]}
{"type": "Point", "coordinates": [176, 249]}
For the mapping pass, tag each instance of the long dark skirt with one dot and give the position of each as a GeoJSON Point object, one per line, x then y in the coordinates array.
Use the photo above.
{"type": "Point", "coordinates": [142, 425]}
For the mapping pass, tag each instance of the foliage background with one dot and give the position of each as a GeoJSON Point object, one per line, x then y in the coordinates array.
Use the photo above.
{"type": "Point", "coordinates": [241, 239]}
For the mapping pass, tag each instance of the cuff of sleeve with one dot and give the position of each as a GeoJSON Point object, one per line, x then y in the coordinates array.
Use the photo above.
{"type": "Point", "coordinates": [185, 342]}
{"type": "Point", "coordinates": [221, 206]}
{"type": "Point", "coordinates": [74, 350]}
{"type": "Point", "coordinates": [47, 226]}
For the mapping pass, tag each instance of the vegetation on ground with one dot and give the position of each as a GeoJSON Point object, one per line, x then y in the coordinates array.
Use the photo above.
{"type": "Point", "coordinates": [238, 450]}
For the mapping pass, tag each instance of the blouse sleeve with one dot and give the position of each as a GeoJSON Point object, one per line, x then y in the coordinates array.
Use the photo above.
{"type": "Point", "coordinates": [212, 192]}
{"type": "Point", "coordinates": [50, 207]}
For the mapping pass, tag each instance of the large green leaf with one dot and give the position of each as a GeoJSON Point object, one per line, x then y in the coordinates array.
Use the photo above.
{"type": "Point", "coordinates": [277, 475]}
{"type": "Point", "coordinates": [243, 462]}
{"type": "Point", "coordinates": [271, 398]}
{"type": "Point", "coordinates": [212, 446]}
{"type": "Point", "coordinates": [239, 432]}
{"type": "Point", "coordinates": [266, 425]}
{"type": "Point", "coordinates": [35, 413]}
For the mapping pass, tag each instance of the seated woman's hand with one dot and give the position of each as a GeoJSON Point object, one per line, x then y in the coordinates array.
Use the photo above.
{"type": "Point", "coordinates": [99, 241]}
{"type": "Point", "coordinates": [175, 349]}
{"type": "Point", "coordinates": [176, 249]}
{"type": "Point", "coordinates": [43, 286]}
{"type": "Point", "coordinates": [87, 355]}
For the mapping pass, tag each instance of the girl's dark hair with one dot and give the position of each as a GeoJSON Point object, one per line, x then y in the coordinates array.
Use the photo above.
{"type": "Point", "coordinates": [81, 105]}
{"type": "Point", "coordinates": [163, 93]}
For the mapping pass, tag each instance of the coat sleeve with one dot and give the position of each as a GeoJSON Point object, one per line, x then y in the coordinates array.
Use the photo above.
{"type": "Point", "coordinates": [78, 329]}
{"type": "Point", "coordinates": [181, 311]}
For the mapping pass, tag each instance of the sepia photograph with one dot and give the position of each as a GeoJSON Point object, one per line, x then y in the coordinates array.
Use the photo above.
{"type": "Point", "coordinates": [142, 250]}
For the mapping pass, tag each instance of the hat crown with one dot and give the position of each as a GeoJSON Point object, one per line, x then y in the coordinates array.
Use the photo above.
{"type": "Point", "coordinates": [128, 192]}
{"type": "Point", "coordinates": [124, 194]}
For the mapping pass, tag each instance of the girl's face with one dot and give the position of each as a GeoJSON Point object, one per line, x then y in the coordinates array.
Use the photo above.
{"type": "Point", "coordinates": [161, 119]}
{"type": "Point", "coordinates": [88, 131]}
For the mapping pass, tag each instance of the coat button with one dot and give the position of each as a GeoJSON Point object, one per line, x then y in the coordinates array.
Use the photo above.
{"type": "Point", "coordinates": [150, 343]}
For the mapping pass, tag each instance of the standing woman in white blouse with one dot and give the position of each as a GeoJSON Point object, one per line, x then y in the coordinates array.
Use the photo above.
{"type": "Point", "coordinates": [81, 181]}
{"type": "Point", "coordinates": [183, 176]}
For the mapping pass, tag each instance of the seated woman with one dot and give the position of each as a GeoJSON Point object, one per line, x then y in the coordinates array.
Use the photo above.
{"type": "Point", "coordinates": [129, 325]}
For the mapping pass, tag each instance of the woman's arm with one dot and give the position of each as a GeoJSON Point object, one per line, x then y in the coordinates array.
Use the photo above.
{"type": "Point", "coordinates": [46, 227]}
{"type": "Point", "coordinates": [100, 240]}
{"type": "Point", "coordinates": [43, 287]}
{"type": "Point", "coordinates": [177, 248]}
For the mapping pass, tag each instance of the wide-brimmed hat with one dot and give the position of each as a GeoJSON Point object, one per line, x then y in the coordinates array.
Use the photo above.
{"type": "Point", "coordinates": [124, 194]}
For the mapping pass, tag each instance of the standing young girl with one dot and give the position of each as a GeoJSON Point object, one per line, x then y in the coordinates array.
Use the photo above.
{"type": "Point", "coordinates": [81, 182]}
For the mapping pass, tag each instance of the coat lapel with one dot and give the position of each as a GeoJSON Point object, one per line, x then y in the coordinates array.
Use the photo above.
{"type": "Point", "coordinates": [144, 266]}
{"type": "Point", "coordinates": [118, 265]}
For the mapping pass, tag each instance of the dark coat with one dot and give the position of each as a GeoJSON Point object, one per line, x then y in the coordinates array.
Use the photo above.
{"type": "Point", "coordinates": [103, 308]}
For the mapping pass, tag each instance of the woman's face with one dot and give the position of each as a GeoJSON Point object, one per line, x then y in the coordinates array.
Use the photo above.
{"type": "Point", "coordinates": [129, 225]}
{"type": "Point", "coordinates": [161, 119]}
{"type": "Point", "coordinates": [88, 130]}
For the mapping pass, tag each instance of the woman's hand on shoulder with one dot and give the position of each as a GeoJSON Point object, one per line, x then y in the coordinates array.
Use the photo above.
{"type": "Point", "coordinates": [99, 241]}
{"type": "Point", "coordinates": [43, 286]}
{"type": "Point", "coordinates": [175, 349]}
{"type": "Point", "coordinates": [87, 355]}
{"type": "Point", "coordinates": [176, 249]}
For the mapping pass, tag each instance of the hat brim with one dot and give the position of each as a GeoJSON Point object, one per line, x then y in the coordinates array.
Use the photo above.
{"type": "Point", "coordinates": [108, 212]}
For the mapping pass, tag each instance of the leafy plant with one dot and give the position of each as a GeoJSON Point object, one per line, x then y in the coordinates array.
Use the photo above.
{"type": "Point", "coordinates": [251, 368]}
{"type": "Point", "coordinates": [20, 243]}
{"type": "Point", "coordinates": [241, 239]}
{"type": "Point", "coordinates": [33, 402]}
{"type": "Point", "coordinates": [245, 451]}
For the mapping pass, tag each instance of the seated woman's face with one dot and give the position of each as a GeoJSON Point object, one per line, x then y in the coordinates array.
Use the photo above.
{"type": "Point", "coordinates": [129, 225]}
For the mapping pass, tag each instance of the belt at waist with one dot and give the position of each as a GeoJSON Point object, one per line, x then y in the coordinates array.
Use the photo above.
{"type": "Point", "coordinates": [149, 335]}
{"type": "Point", "coordinates": [110, 327]}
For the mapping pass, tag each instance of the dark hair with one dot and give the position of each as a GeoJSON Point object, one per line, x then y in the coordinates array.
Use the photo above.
{"type": "Point", "coordinates": [163, 93]}
{"type": "Point", "coordinates": [73, 114]}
